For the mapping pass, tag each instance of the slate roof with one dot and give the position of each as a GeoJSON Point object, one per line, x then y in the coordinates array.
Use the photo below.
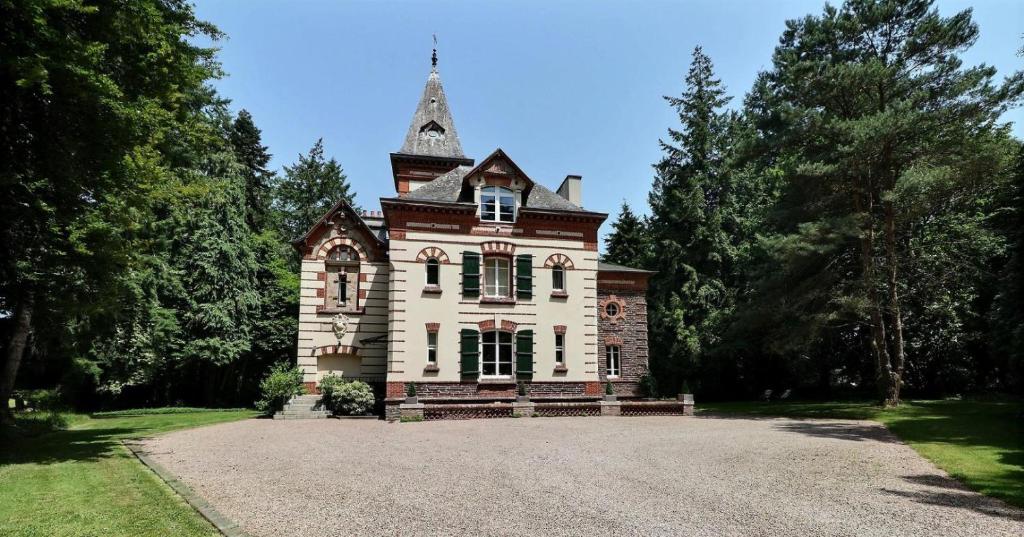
{"type": "Point", "coordinates": [432, 109]}
{"type": "Point", "coordinates": [612, 267]}
{"type": "Point", "coordinates": [448, 188]}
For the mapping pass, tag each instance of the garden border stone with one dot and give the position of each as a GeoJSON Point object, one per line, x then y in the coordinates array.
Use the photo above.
{"type": "Point", "coordinates": [223, 524]}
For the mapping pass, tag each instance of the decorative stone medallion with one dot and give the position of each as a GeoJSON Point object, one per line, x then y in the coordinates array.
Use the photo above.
{"type": "Point", "coordinates": [340, 325]}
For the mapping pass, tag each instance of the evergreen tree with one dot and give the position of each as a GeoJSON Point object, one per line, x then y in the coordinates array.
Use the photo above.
{"type": "Point", "coordinates": [875, 119]}
{"type": "Point", "coordinates": [627, 244]}
{"type": "Point", "coordinates": [253, 156]}
{"type": "Point", "coordinates": [309, 189]}
{"type": "Point", "coordinates": [689, 204]}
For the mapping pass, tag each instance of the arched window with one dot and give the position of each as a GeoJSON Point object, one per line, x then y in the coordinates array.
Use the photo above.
{"type": "Point", "coordinates": [342, 266]}
{"type": "Point", "coordinates": [558, 278]}
{"type": "Point", "coordinates": [433, 272]}
{"type": "Point", "coordinates": [496, 354]}
{"type": "Point", "coordinates": [497, 204]}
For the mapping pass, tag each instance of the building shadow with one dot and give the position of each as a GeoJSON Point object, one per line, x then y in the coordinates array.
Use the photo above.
{"type": "Point", "coordinates": [948, 492]}
{"type": "Point", "coordinates": [82, 445]}
{"type": "Point", "coordinates": [857, 432]}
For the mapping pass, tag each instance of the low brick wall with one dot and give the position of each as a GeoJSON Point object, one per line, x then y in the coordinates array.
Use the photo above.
{"type": "Point", "coordinates": [473, 391]}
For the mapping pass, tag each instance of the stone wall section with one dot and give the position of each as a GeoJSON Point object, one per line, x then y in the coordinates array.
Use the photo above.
{"type": "Point", "coordinates": [628, 331]}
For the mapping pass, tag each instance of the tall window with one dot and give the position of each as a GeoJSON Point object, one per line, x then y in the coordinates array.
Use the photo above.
{"type": "Point", "coordinates": [497, 204]}
{"type": "Point", "coordinates": [342, 266]}
{"type": "Point", "coordinates": [497, 354]}
{"type": "Point", "coordinates": [496, 277]}
{"type": "Point", "coordinates": [433, 272]}
{"type": "Point", "coordinates": [559, 349]}
{"type": "Point", "coordinates": [612, 353]}
{"type": "Point", "coordinates": [558, 278]}
{"type": "Point", "coordinates": [432, 347]}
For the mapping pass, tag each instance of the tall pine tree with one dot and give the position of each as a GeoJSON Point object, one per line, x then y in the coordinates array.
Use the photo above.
{"type": "Point", "coordinates": [253, 156]}
{"type": "Point", "coordinates": [309, 189]}
{"type": "Point", "coordinates": [628, 243]}
{"type": "Point", "coordinates": [689, 199]}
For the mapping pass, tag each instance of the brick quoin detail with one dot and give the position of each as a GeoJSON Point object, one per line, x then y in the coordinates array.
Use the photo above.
{"type": "Point", "coordinates": [560, 329]}
{"type": "Point", "coordinates": [320, 292]}
{"type": "Point", "coordinates": [433, 327]}
{"type": "Point", "coordinates": [321, 276]}
{"type": "Point", "coordinates": [364, 277]}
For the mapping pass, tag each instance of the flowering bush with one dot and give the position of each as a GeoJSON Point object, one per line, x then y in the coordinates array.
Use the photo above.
{"type": "Point", "coordinates": [282, 383]}
{"type": "Point", "coordinates": [352, 398]}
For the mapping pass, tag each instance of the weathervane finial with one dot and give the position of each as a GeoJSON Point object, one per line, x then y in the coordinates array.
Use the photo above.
{"type": "Point", "coordinates": [433, 58]}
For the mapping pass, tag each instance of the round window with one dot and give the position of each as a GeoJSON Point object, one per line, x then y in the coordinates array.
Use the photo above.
{"type": "Point", "coordinates": [612, 309]}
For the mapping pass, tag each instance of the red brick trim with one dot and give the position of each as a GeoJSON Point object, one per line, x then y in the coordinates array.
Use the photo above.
{"type": "Point", "coordinates": [335, 349]}
{"type": "Point", "coordinates": [362, 294]}
{"type": "Point", "coordinates": [395, 389]}
{"type": "Point", "coordinates": [486, 326]}
{"type": "Point", "coordinates": [329, 245]}
{"type": "Point", "coordinates": [364, 277]}
{"type": "Point", "coordinates": [498, 248]}
{"type": "Point", "coordinates": [560, 329]}
{"type": "Point", "coordinates": [321, 276]}
{"type": "Point", "coordinates": [559, 259]}
{"type": "Point", "coordinates": [432, 252]}
{"type": "Point", "coordinates": [509, 326]}
{"type": "Point", "coordinates": [613, 340]}
{"type": "Point", "coordinates": [602, 308]}
{"type": "Point", "coordinates": [320, 292]}
{"type": "Point", "coordinates": [590, 246]}
{"type": "Point", "coordinates": [592, 388]}
{"type": "Point", "coordinates": [433, 327]}
{"type": "Point", "coordinates": [311, 388]}
{"type": "Point", "coordinates": [397, 234]}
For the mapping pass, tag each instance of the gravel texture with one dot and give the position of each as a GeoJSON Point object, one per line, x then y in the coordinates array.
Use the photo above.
{"type": "Point", "coordinates": [576, 476]}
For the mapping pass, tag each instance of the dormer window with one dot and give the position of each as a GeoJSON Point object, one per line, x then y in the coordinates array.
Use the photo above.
{"type": "Point", "coordinates": [432, 130]}
{"type": "Point", "coordinates": [497, 204]}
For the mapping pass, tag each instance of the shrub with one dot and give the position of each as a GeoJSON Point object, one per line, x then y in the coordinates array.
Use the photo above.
{"type": "Point", "coordinates": [328, 389]}
{"type": "Point", "coordinates": [608, 390]}
{"type": "Point", "coordinates": [353, 398]}
{"type": "Point", "coordinates": [648, 385]}
{"type": "Point", "coordinates": [686, 387]}
{"type": "Point", "coordinates": [410, 390]}
{"type": "Point", "coordinates": [282, 383]}
{"type": "Point", "coordinates": [42, 399]}
{"type": "Point", "coordinates": [522, 389]}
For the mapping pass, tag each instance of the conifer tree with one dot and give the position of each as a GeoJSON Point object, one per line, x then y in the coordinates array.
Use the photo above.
{"type": "Point", "coordinates": [689, 202]}
{"type": "Point", "coordinates": [627, 244]}
{"type": "Point", "coordinates": [253, 156]}
{"type": "Point", "coordinates": [309, 189]}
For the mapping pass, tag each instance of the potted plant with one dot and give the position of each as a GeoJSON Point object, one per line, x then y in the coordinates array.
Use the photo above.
{"type": "Point", "coordinates": [521, 396]}
{"type": "Point", "coordinates": [609, 391]}
{"type": "Point", "coordinates": [685, 395]}
{"type": "Point", "coordinates": [410, 394]}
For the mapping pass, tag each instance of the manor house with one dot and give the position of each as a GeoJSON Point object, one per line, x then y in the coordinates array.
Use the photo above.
{"type": "Point", "coordinates": [472, 278]}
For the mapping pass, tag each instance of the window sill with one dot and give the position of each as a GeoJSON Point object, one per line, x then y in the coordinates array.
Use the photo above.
{"type": "Point", "coordinates": [497, 300]}
{"type": "Point", "coordinates": [432, 289]}
{"type": "Point", "coordinates": [559, 294]}
{"type": "Point", "coordinates": [561, 369]}
{"type": "Point", "coordinates": [431, 368]}
{"type": "Point", "coordinates": [352, 311]}
{"type": "Point", "coordinates": [503, 380]}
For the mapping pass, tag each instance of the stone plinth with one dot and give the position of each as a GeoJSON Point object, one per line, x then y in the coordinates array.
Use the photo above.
{"type": "Point", "coordinates": [523, 409]}
{"type": "Point", "coordinates": [413, 412]}
{"type": "Point", "coordinates": [611, 408]}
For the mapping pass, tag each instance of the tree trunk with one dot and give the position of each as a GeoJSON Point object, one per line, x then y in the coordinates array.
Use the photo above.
{"type": "Point", "coordinates": [894, 304]}
{"type": "Point", "coordinates": [15, 350]}
{"type": "Point", "coordinates": [879, 347]}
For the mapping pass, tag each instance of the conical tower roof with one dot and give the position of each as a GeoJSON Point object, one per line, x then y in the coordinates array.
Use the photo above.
{"type": "Point", "coordinates": [432, 131]}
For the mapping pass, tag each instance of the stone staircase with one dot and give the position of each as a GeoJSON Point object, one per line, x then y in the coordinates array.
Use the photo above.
{"type": "Point", "coordinates": [303, 407]}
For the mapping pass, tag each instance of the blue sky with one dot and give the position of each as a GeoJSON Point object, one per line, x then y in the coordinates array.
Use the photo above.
{"type": "Point", "coordinates": [569, 87]}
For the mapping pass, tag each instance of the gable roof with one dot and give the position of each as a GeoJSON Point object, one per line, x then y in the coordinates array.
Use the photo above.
{"type": "Point", "coordinates": [342, 205]}
{"type": "Point", "coordinates": [432, 114]}
{"type": "Point", "coordinates": [448, 187]}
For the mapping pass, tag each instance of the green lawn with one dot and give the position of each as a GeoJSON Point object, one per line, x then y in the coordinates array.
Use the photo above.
{"type": "Point", "coordinates": [981, 443]}
{"type": "Point", "coordinates": [81, 481]}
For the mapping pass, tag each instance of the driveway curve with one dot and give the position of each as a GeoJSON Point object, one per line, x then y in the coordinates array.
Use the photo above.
{"type": "Point", "coordinates": [576, 476]}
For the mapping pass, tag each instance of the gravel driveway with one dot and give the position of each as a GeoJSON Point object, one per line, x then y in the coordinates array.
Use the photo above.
{"type": "Point", "coordinates": [576, 476]}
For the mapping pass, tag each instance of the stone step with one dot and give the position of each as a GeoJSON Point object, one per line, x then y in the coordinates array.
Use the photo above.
{"type": "Point", "coordinates": [280, 416]}
{"type": "Point", "coordinates": [293, 406]}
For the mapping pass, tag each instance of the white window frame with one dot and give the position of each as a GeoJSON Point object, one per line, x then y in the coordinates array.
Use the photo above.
{"type": "Point", "coordinates": [560, 271]}
{"type": "Point", "coordinates": [559, 349]}
{"type": "Point", "coordinates": [494, 285]}
{"type": "Point", "coordinates": [435, 263]}
{"type": "Point", "coordinates": [493, 196]}
{"type": "Point", "coordinates": [497, 345]}
{"type": "Point", "coordinates": [431, 347]}
{"type": "Point", "coordinates": [613, 357]}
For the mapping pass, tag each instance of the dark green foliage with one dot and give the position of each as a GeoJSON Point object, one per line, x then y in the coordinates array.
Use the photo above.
{"type": "Point", "coordinates": [328, 387]}
{"type": "Point", "coordinates": [649, 385]}
{"type": "Point", "coordinates": [608, 390]}
{"type": "Point", "coordinates": [309, 188]}
{"type": "Point", "coordinates": [353, 398]}
{"type": "Point", "coordinates": [627, 244]}
{"type": "Point", "coordinates": [410, 390]}
{"type": "Point", "coordinates": [521, 389]}
{"type": "Point", "coordinates": [253, 156]}
{"type": "Point", "coordinates": [283, 382]}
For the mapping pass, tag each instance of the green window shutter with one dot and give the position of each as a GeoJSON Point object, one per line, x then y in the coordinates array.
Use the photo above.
{"type": "Point", "coordinates": [524, 354]}
{"type": "Point", "coordinates": [524, 276]}
{"type": "Point", "coordinates": [470, 274]}
{"type": "Point", "coordinates": [470, 350]}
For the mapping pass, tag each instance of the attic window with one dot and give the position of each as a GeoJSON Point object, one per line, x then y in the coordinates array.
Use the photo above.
{"type": "Point", "coordinates": [497, 204]}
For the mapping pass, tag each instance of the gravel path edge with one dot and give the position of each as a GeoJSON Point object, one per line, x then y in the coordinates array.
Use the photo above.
{"type": "Point", "coordinates": [223, 524]}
